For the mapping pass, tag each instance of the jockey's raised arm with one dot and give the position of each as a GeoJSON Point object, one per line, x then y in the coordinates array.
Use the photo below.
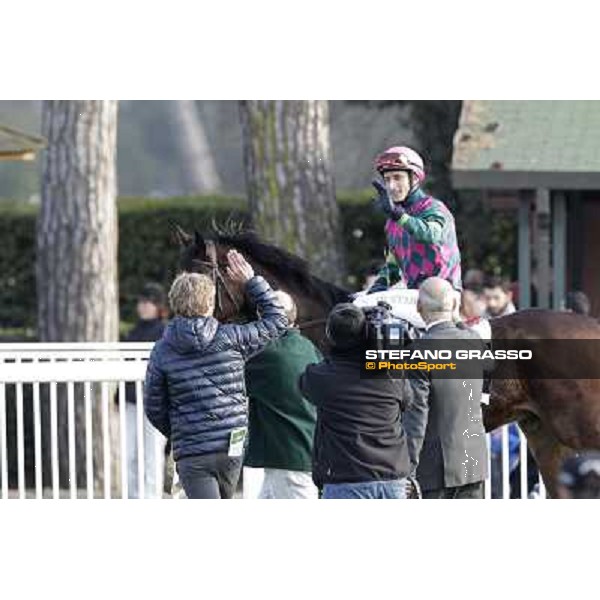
{"type": "Point", "coordinates": [420, 230]}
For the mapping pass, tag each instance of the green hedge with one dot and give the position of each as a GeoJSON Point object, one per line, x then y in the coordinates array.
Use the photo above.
{"type": "Point", "coordinates": [146, 249]}
{"type": "Point", "coordinates": [17, 265]}
{"type": "Point", "coordinates": [147, 252]}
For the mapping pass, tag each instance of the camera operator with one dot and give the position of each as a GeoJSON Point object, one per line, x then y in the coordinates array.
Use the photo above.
{"type": "Point", "coordinates": [360, 447]}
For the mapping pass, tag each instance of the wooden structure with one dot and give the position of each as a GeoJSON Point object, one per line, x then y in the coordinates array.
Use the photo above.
{"type": "Point", "coordinates": [544, 157]}
{"type": "Point", "coordinates": [16, 145]}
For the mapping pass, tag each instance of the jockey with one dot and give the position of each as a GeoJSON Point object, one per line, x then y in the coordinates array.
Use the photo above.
{"type": "Point", "coordinates": [420, 231]}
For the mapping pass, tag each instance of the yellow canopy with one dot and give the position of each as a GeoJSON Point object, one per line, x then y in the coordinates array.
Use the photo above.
{"type": "Point", "coordinates": [16, 145]}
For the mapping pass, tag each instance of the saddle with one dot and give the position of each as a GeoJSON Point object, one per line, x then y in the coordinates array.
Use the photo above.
{"type": "Point", "coordinates": [403, 304]}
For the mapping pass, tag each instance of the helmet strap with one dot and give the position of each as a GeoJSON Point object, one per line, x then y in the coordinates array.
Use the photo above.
{"type": "Point", "coordinates": [415, 183]}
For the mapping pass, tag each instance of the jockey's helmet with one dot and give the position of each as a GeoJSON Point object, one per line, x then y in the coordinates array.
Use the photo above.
{"type": "Point", "coordinates": [401, 158]}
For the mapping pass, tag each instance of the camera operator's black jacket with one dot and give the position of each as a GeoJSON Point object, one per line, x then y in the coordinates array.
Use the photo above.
{"type": "Point", "coordinates": [359, 435]}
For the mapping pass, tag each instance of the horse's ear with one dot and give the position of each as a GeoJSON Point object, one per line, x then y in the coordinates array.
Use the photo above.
{"type": "Point", "coordinates": [180, 236]}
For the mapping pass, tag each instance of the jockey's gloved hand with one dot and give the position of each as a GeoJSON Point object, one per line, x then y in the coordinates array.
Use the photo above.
{"type": "Point", "coordinates": [384, 203]}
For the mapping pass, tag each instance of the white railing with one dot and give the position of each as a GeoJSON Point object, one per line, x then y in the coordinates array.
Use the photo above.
{"type": "Point", "coordinates": [504, 474]}
{"type": "Point", "coordinates": [253, 477]}
{"type": "Point", "coordinates": [103, 369]}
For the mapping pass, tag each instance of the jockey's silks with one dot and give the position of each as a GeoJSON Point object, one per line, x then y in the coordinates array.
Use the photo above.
{"type": "Point", "coordinates": [421, 243]}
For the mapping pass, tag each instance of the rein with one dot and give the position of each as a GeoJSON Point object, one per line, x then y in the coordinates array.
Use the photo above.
{"type": "Point", "coordinates": [217, 276]}
{"type": "Point", "coordinates": [311, 323]}
{"type": "Point", "coordinates": [220, 284]}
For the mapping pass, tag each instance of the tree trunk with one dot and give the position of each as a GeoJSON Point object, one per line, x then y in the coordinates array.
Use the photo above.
{"type": "Point", "coordinates": [77, 246]}
{"type": "Point", "coordinates": [291, 193]}
{"type": "Point", "coordinates": [435, 123]}
{"type": "Point", "coordinates": [198, 164]}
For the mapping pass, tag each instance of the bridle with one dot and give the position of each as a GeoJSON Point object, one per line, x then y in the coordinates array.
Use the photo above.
{"type": "Point", "coordinates": [311, 323]}
{"type": "Point", "coordinates": [220, 283]}
{"type": "Point", "coordinates": [217, 276]}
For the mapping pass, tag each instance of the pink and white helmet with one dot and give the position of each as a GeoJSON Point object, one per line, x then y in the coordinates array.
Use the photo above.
{"type": "Point", "coordinates": [401, 158]}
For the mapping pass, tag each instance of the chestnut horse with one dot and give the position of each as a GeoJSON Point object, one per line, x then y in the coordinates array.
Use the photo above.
{"type": "Point", "coordinates": [555, 406]}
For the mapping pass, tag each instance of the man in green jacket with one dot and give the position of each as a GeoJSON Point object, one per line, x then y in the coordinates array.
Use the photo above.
{"type": "Point", "coordinates": [282, 422]}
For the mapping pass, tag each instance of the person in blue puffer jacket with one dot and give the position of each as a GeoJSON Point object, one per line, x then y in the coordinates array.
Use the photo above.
{"type": "Point", "coordinates": [194, 392]}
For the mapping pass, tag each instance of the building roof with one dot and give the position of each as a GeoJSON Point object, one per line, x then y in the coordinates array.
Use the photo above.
{"type": "Point", "coordinates": [16, 145]}
{"type": "Point", "coordinates": [526, 144]}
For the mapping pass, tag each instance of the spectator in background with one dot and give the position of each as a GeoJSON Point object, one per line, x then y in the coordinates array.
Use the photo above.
{"type": "Point", "coordinates": [472, 305]}
{"type": "Point", "coordinates": [577, 302]}
{"type": "Point", "coordinates": [282, 421]}
{"type": "Point", "coordinates": [579, 477]}
{"type": "Point", "coordinates": [474, 280]}
{"type": "Point", "coordinates": [472, 309]}
{"type": "Point", "coordinates": [152, 312]}
{"type": "Point", "coordinates": [498, 297]}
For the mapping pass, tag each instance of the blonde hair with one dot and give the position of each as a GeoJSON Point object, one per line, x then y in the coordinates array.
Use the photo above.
{"type": "Point", "coordinates": [288, 304]}
{"type": "Point", "coordinates": [192, 295]}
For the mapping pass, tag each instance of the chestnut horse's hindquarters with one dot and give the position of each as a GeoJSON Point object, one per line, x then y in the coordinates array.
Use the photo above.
{"type": "Point", "coordinates": [557, 416]}
{"type": "Point", "coordinates": [567, 410]}
{"type": "Point", "coordinates": [548, 452]}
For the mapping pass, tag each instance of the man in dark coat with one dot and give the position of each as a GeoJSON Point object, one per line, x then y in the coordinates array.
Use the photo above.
{"type": "Point", "coordinates": [444, 423]}
{"type": "Point", "coordinates": [195, 392]}
{"type": "Point", "coordinates": [282, 421]}
{"type": "Point", "coordinates": [360, 447]}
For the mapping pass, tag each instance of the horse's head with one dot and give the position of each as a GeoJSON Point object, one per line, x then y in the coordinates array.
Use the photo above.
{"type": "Point", "coordinates": [208, 254]}
{"type": "Point", "coordinates": [200, 254]}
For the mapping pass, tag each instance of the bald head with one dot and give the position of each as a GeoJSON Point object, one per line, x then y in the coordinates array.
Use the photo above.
{"type": "Point", "coordinates": [437, 300]}
{"type": "Point", "coordinates": [289, 306]}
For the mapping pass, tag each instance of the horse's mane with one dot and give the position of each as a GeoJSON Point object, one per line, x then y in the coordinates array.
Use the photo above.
{"type": "Point", "coordinates": [288, 268]}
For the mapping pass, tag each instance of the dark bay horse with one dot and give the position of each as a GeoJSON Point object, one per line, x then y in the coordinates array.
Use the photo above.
{"type": "Point", "coordinates": [314, 297]}
{"type": "Point", "coordinates": [558, 415]}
